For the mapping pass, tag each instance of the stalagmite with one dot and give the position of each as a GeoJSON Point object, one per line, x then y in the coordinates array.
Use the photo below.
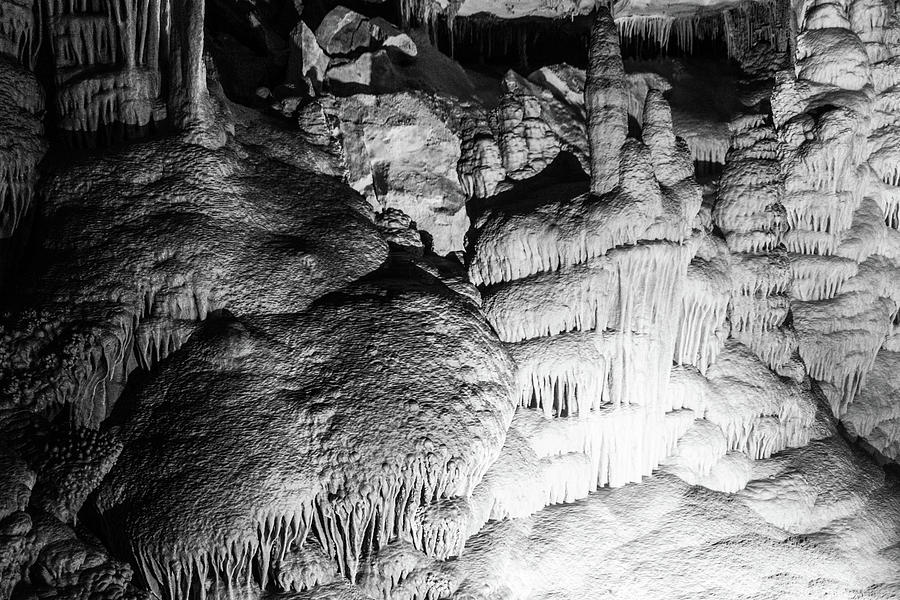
{"type": "Point", "coordinates": [188, 104]}
{"type": "Point", "coordinates": [638, 85]}
{"type": "Point", "coordinates": [749, 210]}
{"type": "Point", "coordinates": [605, 102]}
{"type": "Point", "coordinates": [670, 164]}
{"type": "Point", "coordinates": [532, 128]}
{"type": "Point", "coordinates": [730, 474]}
{"type": "Point", "coordinates": [480, 166]}
{"type": "Point", "coordinates": [698, 451]}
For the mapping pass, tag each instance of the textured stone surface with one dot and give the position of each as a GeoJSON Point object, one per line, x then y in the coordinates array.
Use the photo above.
{"type": "Point", "coordinates": [343, 31]}
{"type": "Point", "coordinates": [368, 313]}
{"type": "Point", "coordinates": [401, 151]}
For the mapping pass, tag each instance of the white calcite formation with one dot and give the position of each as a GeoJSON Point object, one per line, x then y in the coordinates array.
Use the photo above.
{"type": "Point", "coordinates": [874, 412]}
{"type": "Point", "coordinates": [577, 283]}
{"type": "Point", "coordinates": [837, 204]}
{"type": "Point", "coordinates": [404, 327]}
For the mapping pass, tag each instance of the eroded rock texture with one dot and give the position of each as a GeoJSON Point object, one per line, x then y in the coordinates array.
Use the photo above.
{"type": "Point", "coordinates": [418, 301]}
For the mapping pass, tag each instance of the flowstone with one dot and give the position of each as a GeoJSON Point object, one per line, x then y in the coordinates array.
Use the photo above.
{"type": "Point", "coordinates": [342, 451]}
{"type": "Point", "coordinates": [145, 242]}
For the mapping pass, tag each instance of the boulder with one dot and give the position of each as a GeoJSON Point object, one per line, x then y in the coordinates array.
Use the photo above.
{"type": "Point", "coordinates": [343, 31]}
{"type": "Point", "coordinates": [389, 36]}
{"type": "Point", "coordinates": [307, 62]}
{"type": "Point", "coordinates": [372, 73]}
{"type": "Point", "coordinates": [564, 81]}
{"type": "Point", "coordinates": [401, 151]}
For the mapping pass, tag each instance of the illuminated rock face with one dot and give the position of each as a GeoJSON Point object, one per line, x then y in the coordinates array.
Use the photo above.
{"type": "Point", "coordinates": [416, 327]}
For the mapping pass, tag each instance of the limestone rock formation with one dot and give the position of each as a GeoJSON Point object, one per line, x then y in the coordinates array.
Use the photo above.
{"type": "Point", "coordinates": [425, 301]}
{"type": "Point", "coordinates": [356, 459]}
{"type": "Point", "coordinates": [22, 144]}
{"type": "Point", "coordinates": [213, 233]}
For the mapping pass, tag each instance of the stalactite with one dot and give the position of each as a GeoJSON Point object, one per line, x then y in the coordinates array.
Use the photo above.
{"type": "Point", "coordinates": [645, 27]}
{"type": "Point", "coordinates": [840, 338]}
{"type": "Point", "coordinates": [758, 413]}
{"type": "Point", "coordinates": [122, 97]}
{"type": "Point", "coordinates": [623, 443]}
{"type": "Point", "coordinates": [122, 16]}
{"type": "Point", "coordinates": [708, 149]}
{"type": "Point", "coordinates": [564, 374]}
{"type": "Point", "coordinates": [410, 504]}
{"type": "Point", "coordinates": [659, 29]}
{"type": "Point", "coordinates": [704, 307]}
{"type": "Point", "coordinates": [751, 22]}
{"type": "Point", "coordinates": [816, 277]}
{"type": "Point", "coordinates": [20, 30]}
{"type": "Point", "coordinates": [97, 354]}
{"type": "Point", "coordinates": [22, 143]}
{"type": "Point", "coordinates": [627, 290]}
{"type": "Point", "coordinates": [568, 231]}
{"type": "Point", "coordinates": [751, 314]}
{"type": "Point", "coordinates": [875, 413]}
{"type": "Point", "coordinates": [775, 347]}
{"type": "Point", "coordinates": [82, 40]}
{"type": "Point", "coordinates": [836, 206]}
{"type": "Point", "coordinates": [18, 176]}
{"type": "Point", "coordinates": [108, 58]}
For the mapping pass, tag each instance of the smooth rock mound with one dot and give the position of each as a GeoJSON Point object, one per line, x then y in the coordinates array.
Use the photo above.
{"type": "Point", "coordinates": [338, 423]}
